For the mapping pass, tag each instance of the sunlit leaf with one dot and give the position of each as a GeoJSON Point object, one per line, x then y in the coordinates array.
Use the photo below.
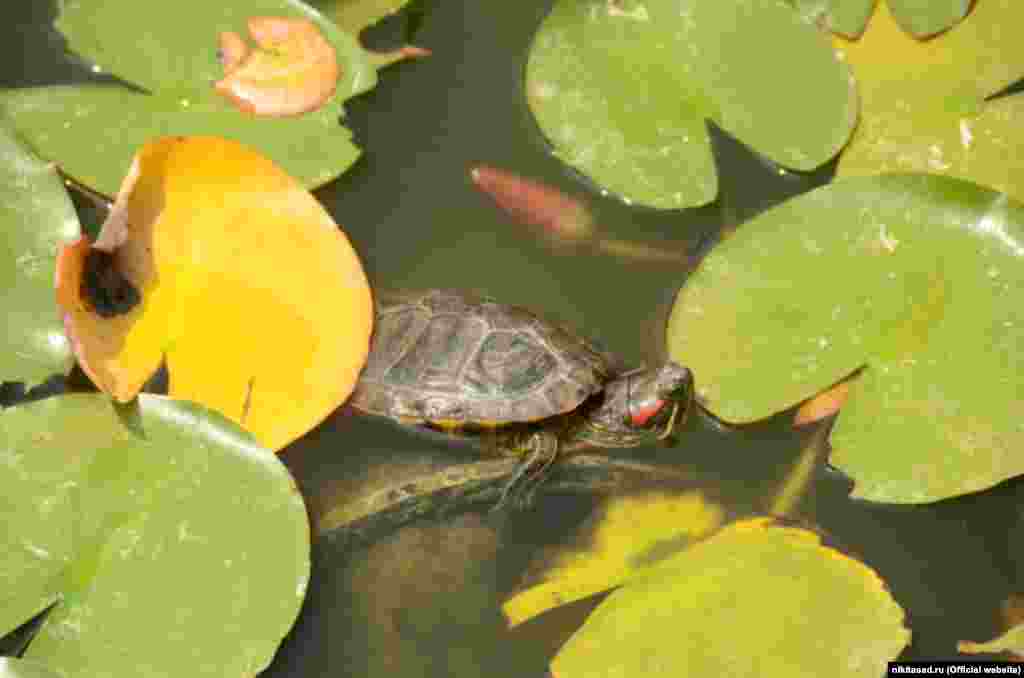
{"type": "Point", "coordinates": [915, 277]}
{"type": "Point", "coordinates": [623, 89]}
{"type": "Point", "coordinates": [170, 49]}
{"type": "Point", "coordinates": [36, 216]}
{"type": "Point", "coordinates": [21, 668]}
{"type": "Point", "coordinates": [249, 290]}
{"type": "Point", "coordinates": [171, 543]}
{"type": "Point", "coordinates": [629, 533]}
{"type": "Point", "coordinates": [751, 600]}
{"type": "Point", "coordinates": [930, 113]}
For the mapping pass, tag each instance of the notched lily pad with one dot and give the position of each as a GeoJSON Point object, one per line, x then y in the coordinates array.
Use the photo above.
{"type": "Point", "coordinates": [622, 88]}
{"type": "Point", "coordinates": [213, 259]}
{"type": "Point", "coordinates": [36, 217]}
{"type": "Point", "coordinates": [751, 600]}
{"type": "Point", "coordinates": [915, 278]}
{"type": "Point", "coordinates": [171, 543]}
{"type": "Point", "coordinates": [171, 50]}
{"type": "Point", "coordinates": [920, 18]}
{"type": "Point", "coordinates": [932, 114]}
{"type": "Point", "coordinates": [355, 15]}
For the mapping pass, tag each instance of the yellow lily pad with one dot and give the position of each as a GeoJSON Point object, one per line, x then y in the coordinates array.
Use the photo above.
{"type": "Point", "coordinates": [247, 289]}
{"type": "Point", "coordinates": [754, 599]}
{"type": "Point", "coordinates": [931, 113]}
{"type": "Point", "coordinates": [630, 532]}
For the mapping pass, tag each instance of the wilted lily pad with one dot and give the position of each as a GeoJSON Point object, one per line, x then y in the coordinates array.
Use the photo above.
{"type": "Point", "coordinates": [931, 114]}
{"type": "Point", "coordinates": [915, 278]}
{"type": "Point", "coordinates": [93, 130]}
{"type": "Point", "coordinates": [36, 217]}
{"type": "Point", "coordinates": [167, 540]}
{"type": "Point", "coordinates": [921, 18]}
{"type": "Point", "coordinates": [246, 287]}
{"type": "Point", "coordinates": [628, 533]}
{"type": "Point", "coordinates": [623, 88]}
{"type": "Point", "coordinates": [751, 600]}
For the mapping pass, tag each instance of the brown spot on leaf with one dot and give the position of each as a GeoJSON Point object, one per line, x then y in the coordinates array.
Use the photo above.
{"type": "Point", "coordinates": [293, 69]}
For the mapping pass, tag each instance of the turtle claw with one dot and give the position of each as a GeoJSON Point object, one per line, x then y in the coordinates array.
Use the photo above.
{"type": "Point", "coordinates": [530, 474]}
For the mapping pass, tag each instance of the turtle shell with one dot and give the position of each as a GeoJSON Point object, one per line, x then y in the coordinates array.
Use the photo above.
{"type": "Point", "coordinates": [451, 357]}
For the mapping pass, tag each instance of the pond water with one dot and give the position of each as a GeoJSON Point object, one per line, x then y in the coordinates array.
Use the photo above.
{"type": "Point", "coordinates": [424, 601]}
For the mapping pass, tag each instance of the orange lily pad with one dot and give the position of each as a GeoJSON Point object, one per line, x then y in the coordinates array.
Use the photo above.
{"type": "Point", "coordinates": [217, 261]}
{"type": "Point", "coordinates": [294, 69]}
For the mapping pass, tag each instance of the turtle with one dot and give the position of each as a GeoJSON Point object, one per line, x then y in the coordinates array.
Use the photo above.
{"type": "Point", "coordinates": [461, 362]}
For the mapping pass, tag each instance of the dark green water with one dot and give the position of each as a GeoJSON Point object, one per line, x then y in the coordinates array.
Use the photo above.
{"type": "Point", "coordinates": [424, 602]}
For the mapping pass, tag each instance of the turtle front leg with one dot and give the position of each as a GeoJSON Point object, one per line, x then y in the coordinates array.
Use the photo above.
{"type": "Point", "coordinates": [541, 450]}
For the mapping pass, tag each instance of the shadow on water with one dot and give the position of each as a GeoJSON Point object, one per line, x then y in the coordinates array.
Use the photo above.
{"type": "Point", "coordinates": [423, 601]}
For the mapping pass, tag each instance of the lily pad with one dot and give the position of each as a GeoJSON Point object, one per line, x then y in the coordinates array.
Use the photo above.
{"type": "Point", "coordinates": [920, 18]}
{"type": "Point", "coordinates": [848, 17]}
{"type": "Point", "coordinates": [169, 542]}
{"type": "Point", "coordinates": [248, 290]}
{"type": "Point", "coordinates": [932, 113]}
{"type": "Point", "coordinates": [36, 217]}
{"type": "Point", "coordinates": [628, 533]}
{"type": "Point", "coordinates": [915, 278]}
{"type": "Point", "coordinates": [751, 600]}
{"type": "Point", "coordinates": [170, 49]}
{"type": "Point", "coordinates": [623, 89]}
{"type": "Point", "coordinates": [74, 125]}
{"type": "Point", "coordinates": [353, 16]}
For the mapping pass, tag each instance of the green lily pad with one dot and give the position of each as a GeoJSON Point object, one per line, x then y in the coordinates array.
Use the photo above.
{"type": "Point", "coordinates": [927, 17]}
{"type": "Point", "coordinates": [73, 124]}
{"type": "Point", "coordinates": [36, 216]}
{"type": "Point", "coordinates": [751, 600]}
{"type": "Point", "coordinates": [623, 88]}
{"type": "Point", "coordinates": [920, 18]}
{"type": "Point", "coordinates": [917, 279]}
{"type": "Point", "coordinates": [170, 49]}
{"type": "Point", "coordinates": [20, 668]}
{"type": "Point", "coordinates": [171, 543]}
{"type": "Point", "coordinates": [846, 17]}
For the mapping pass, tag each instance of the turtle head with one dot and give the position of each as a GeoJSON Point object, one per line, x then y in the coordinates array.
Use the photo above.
{"type": "Point", "coordinates": [657, 392]}
{"type": "Point", "coordinates": [641, 406]}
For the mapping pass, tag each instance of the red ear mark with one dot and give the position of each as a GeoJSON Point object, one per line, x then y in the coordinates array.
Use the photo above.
{"type": "Point", "coordinates": [641, 415]}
